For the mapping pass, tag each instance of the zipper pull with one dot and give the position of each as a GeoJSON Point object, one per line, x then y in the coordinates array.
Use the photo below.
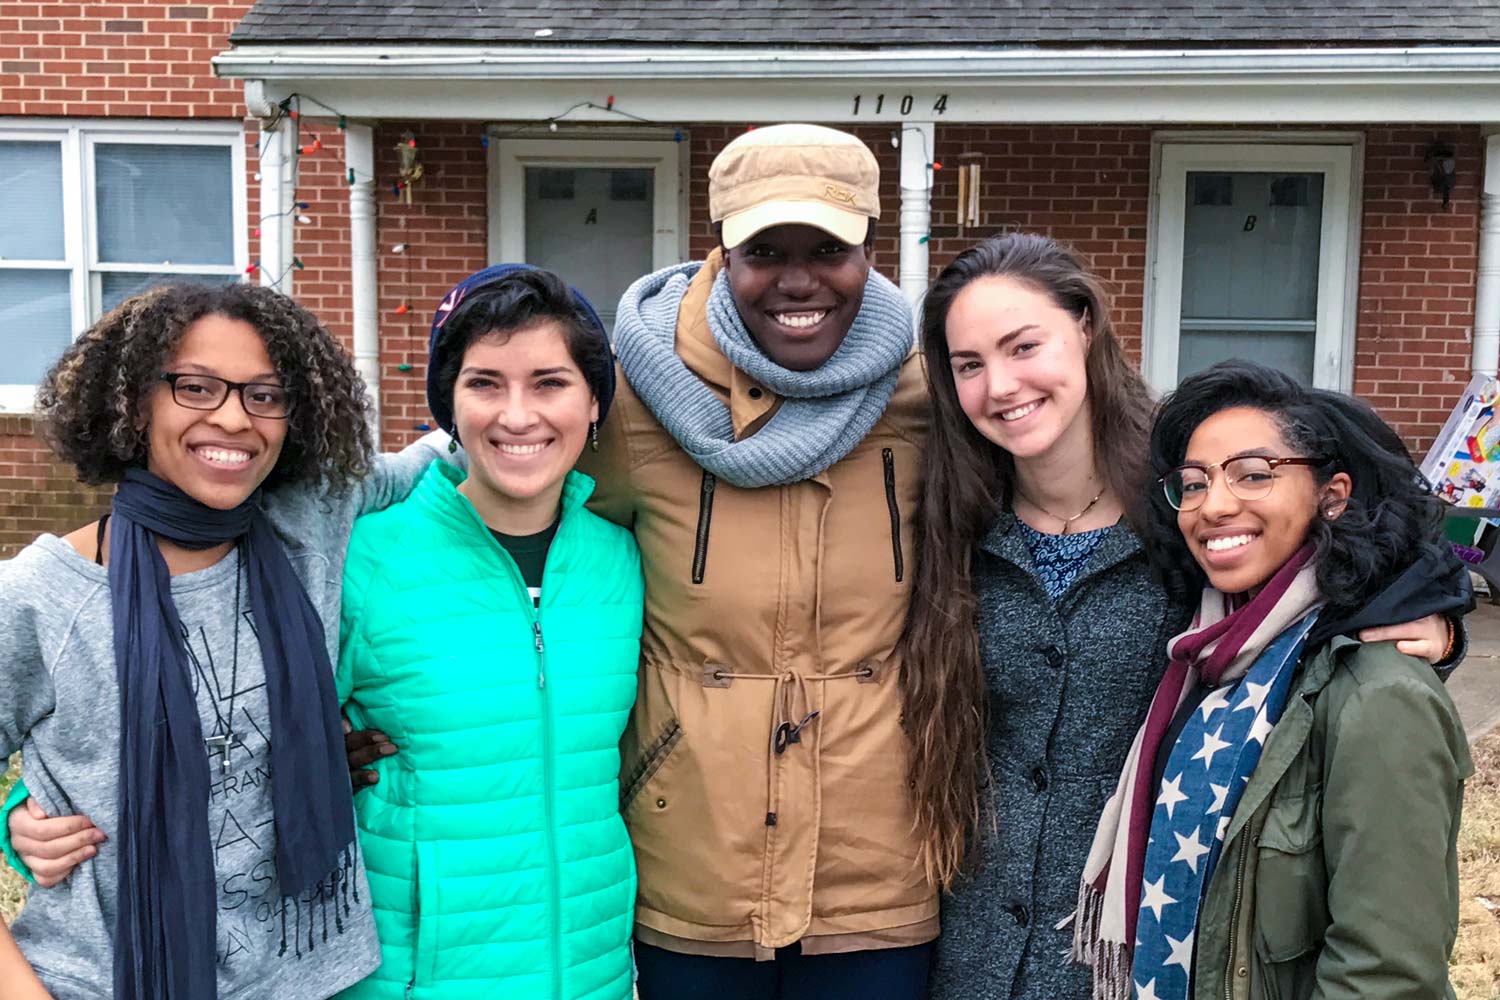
{"type": "Point", "coordinates": [541, 670]}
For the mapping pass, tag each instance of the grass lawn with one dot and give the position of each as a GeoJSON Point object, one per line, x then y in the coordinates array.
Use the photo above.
{"type": "Point", "coordinates": [1476, 959]}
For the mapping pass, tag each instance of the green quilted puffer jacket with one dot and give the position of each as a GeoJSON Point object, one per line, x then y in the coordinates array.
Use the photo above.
{"type": "Point", "coordinates": [499, 865]}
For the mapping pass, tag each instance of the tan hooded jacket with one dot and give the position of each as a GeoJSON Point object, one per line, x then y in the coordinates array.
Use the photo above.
{"type": "Point", "coordinates": [764, 770]}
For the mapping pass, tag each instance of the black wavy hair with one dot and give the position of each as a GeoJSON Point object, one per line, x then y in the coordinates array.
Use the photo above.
{"type": "Point", "coordinates": [91, 406]}
{"type": "Point", "coordinates": [518, 301]}
{"type": "Point", "coordinates": [1390, 520]}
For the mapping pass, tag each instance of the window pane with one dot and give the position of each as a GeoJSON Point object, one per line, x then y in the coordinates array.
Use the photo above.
{"type": "Point", "coordinates": [36, 323]}
{"type": "Point", "coordinates": [1288, 350]}
{"type": "Point", "coordinates": [33, 227]}
{"type": "Point", "coordinates": [159, 204]}
{"type": "Point", "coordinates": [116, 286]}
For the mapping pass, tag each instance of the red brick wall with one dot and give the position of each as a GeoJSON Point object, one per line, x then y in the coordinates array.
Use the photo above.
{"type": "Point", "coordinates": [445, 231]}
{"type": "Point", "coordinates": [1417, 269]}
{"type": "Point", "coordinates": [92, 59]}
{"type": "Point", "coordinates": [37, 494]}
{"type": "Point", "coordinates": [1086, 186]}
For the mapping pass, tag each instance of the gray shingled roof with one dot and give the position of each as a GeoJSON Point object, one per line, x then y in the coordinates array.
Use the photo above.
{"type": "Point", "coordinates": [845, 23]}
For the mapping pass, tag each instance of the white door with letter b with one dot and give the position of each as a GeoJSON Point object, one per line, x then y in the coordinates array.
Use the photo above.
{"type": "Point", "coordinates": [1251, 259]}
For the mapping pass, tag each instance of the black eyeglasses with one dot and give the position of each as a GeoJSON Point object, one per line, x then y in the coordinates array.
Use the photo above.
{"type": "Point", "coordinates": [1249, 477]}
{"type": "Point", "coordinates": [208, 392]}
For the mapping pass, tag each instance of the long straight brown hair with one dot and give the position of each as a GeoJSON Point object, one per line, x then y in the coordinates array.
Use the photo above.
{"type": "Point", "coordinates": [967, 482]}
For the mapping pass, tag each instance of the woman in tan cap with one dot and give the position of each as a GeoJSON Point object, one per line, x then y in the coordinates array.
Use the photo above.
{"type": "Point", "coordinates": [765, 450]}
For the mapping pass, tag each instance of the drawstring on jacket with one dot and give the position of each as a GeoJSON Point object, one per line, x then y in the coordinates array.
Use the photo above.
{"type": "Point", "coordinates": [785, 732]}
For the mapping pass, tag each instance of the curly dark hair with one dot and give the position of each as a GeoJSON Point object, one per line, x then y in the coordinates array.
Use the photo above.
{"type": "Point", "coordinates": [1390, 520]}
{"type": "Point", "coordinates": [92, 404]}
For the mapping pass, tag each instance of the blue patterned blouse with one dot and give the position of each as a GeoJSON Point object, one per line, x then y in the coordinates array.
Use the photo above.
{"type": "Point", "coordinates": [1058, 558]}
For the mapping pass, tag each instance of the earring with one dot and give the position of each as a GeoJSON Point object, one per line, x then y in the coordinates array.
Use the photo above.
{"type": "Point", "coordinates": [453, 440]}
{"type": "Point", "coordinates": [593, 436]}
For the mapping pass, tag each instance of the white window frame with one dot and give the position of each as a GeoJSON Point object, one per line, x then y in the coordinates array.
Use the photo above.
{"type": "Point", "coordinates": [1339, 157]}
{"type": "Point", "coordinates": [78, 139]}
{"type": "Point", "coordinates": [665, 157]}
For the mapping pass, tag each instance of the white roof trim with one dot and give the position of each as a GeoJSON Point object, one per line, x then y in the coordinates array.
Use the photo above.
{"type": "Point", "coordinates": [1301, 86]}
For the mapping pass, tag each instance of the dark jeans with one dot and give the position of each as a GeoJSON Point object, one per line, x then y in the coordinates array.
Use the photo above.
{"type": "Point", "coordinates": [884, 974]}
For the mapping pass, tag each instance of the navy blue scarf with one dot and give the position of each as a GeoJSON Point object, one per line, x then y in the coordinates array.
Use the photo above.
{"type": "Point", "coordinates": [165, 944]}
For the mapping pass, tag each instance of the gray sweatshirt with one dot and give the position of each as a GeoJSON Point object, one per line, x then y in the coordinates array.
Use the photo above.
{"type": "Point", "coordinates": [61, 708]}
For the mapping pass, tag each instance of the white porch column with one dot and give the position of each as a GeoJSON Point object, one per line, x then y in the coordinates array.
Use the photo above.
{"type": "Point", "coordinates": [359, 158]}
{"type": "Point", "coordinates": [1487, 287]}
{"type": "Point", "coordinates": [277, 160]}
{"type": "Point", "coordinates": [917, 145]}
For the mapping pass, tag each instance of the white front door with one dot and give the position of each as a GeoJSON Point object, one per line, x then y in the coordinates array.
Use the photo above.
{"type": "Point", "coordinates": [599, 212]}
{"type": "Point", "coordinates": [1252, 257]}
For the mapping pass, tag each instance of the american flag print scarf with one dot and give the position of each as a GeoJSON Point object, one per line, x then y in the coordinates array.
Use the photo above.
{"type": "Point", "coordinates": [1227, 636]}
{"type": "Point", "coordinates": [1208, 769]}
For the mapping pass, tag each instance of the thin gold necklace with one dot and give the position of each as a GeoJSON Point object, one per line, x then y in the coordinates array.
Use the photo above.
{"type": "Point", "coordinates": [1066, 521]}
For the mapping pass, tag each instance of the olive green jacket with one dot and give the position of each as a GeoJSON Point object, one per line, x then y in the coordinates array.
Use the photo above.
{"type": "Point", "coordinates": [1339, 876]}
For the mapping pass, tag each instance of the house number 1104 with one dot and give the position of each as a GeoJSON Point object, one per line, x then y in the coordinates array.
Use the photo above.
{"type": "Point", "coordinates": [905, 102]}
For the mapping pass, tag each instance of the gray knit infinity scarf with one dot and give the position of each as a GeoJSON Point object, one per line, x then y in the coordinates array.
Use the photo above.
{"type": "Point", "coordinates": [824, 412]}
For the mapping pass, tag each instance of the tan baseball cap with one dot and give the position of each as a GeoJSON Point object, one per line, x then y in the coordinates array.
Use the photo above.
{"type": "Point", "coordinates": [802, 174]}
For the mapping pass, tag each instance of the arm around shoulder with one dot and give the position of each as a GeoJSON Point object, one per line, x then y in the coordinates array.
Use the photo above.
{"type": "Point", "coordinates": [393, 475]}
{"type": "Point", "coordinates": [1395, 762]}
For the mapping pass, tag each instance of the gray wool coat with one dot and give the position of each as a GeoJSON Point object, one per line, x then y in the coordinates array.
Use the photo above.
{"type": "Point", "coordinates": [1069, 684]}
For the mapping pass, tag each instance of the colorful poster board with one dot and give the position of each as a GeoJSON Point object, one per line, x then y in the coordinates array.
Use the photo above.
{"type": "Point", "coordinates": [1463, 464]}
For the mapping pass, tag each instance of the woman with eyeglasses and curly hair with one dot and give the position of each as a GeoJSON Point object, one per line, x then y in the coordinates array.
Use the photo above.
{"type": "Point", "coordinates": [168, 668]}
{"type": "Point", "coordinates": [1286, 823]}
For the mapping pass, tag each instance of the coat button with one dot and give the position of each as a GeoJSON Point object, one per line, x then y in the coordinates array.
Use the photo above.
{"type": "Point", "coordinates": [1053, 656]}
{"type": "Point", "coordinates": [1039, 779]}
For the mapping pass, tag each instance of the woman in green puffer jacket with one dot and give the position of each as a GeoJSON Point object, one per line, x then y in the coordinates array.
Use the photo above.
{"type": "Point", "coordinates": [491, 629]}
